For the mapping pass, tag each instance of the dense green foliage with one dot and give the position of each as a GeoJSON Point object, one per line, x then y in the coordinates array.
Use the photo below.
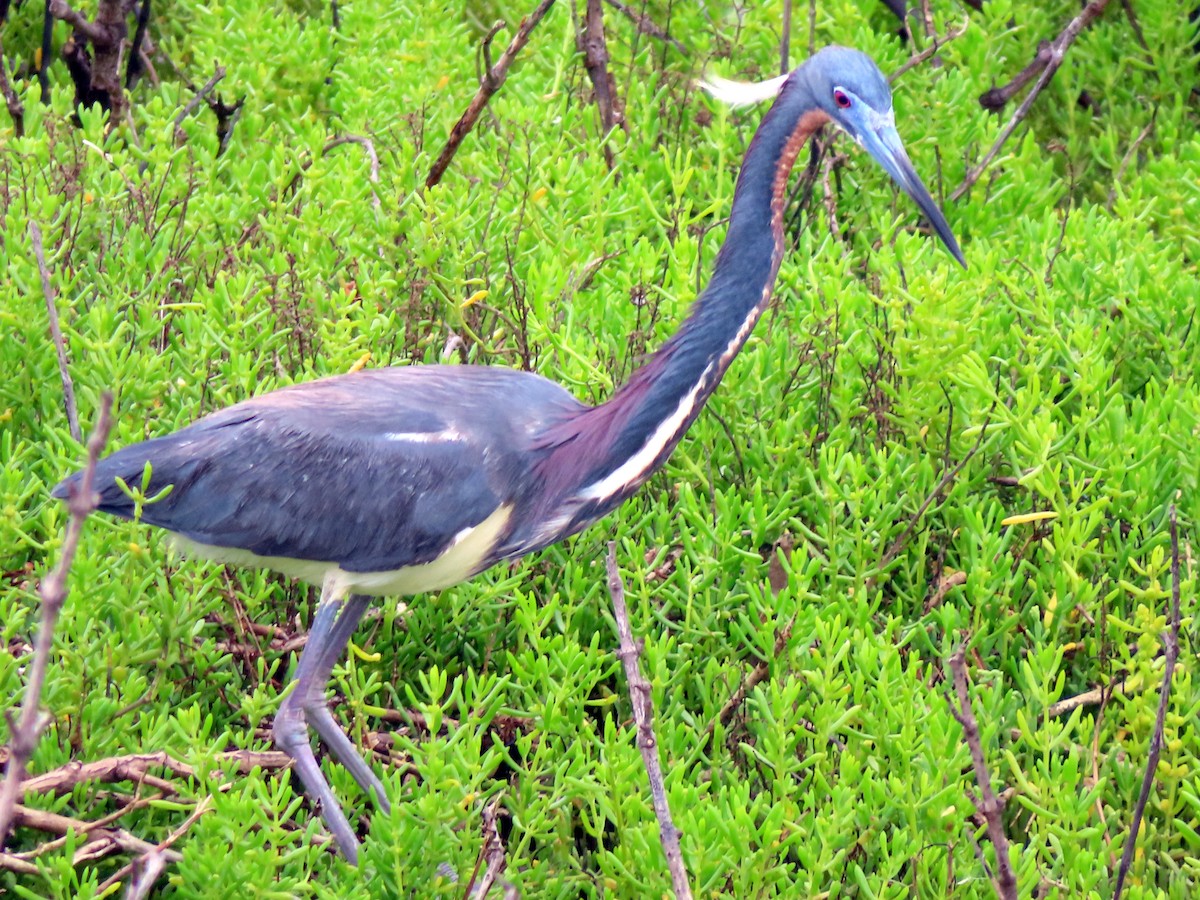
{"type": "Point", "coordinates": [190, 280]}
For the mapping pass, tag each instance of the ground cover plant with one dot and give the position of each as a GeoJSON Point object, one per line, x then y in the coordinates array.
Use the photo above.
{"type": "Point", "coordinates": [907, 459]}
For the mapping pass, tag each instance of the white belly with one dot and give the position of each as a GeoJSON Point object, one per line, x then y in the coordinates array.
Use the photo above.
{"type": "Point", "coordinates": [462, 559]}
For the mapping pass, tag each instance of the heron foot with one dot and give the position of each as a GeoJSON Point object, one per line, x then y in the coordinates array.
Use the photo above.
{"type": "Point", "coordinates": [291, 736]}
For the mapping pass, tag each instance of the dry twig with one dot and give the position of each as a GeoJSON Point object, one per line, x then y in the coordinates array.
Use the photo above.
{"type": "Point", "coordinates": [937, 44]}
{"type": "Point", "coordinates": [1049, 57]}
{"type": "Point", "coordinates": [595, 60]}
{"type": "Point", "coordinates": [492, 79]}
{"type": "Point", "coordinates": [16, 109]}
{"type": "Point", "coordinates": [991, 806]}
{"type": "Point", "coordinates": [1171, 653]}
{"type": "Point", "coordinates": [369, 147]}
{"type": "Point", "coordinates": [60, 346]}
{"type": "Point", "coordinates": [947, 477]}
{"type": "Point", "coordinates": [201, 95]}
{"type": "Point", "coordinates": [492, 854]}
{"type": "Point", "coordinates": [25, 733]}
{"type": "Point", "coordinates": [97, 76]}
{"type": "Point", "coordinates": [643, 715]}
{"type": "Point", "coordinates": [154, 860]}
{"type": "Point", "coordinates": [646, 25]}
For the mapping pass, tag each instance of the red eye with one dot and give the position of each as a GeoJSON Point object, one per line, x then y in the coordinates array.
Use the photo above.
{"type": "Point", "coordinates": [841, 98]}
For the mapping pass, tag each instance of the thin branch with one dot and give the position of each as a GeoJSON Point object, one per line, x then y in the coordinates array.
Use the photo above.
{"type": "Point", "coordinates": [492, 853]}
{"type": "Point", "coordinates": [595, 60]}
{"type": "Point", "coordinates": [785, 39]}
{"type": "Point", "coordinates": [1128, 157]}
{"type": "Point", "coordinates": [44, 56]}
{"type": "Point", "coordinates": [646, 25]}
{"type": "Point", "coordinates": [490, 83]}
{"type": "Point", "coordinates": [757, 674]}
{"type": "Point", "coordinates": [60, 346]}
{"type": "Point", "coordinates": [369, 147]}
{"type": "Point", "coordinates": [643, 715]}
{"type": "Point", "coordinates": [53, 589]}
{"type": "Point", "coordinates": [938, 43]}
{"type": "Point", "coordinates": [155, 859]}
{"type": "Point", "coordinates": [1050, 57]}
{"type": "Point", "coordinates": [16, 109]}
{"type": "Point", "coordinates": [991, 806]}
{"type": "Point", "coordinates": [137, 59]}
{"type": "Point", "coordinates": [202, 94]}
{"type": "Point", "coordinates": [898, 544]}
{"type": "Point", "coordinates": [1171, 652]}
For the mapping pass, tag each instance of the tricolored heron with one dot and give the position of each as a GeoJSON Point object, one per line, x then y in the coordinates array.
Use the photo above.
{"type": "Point", "coordinates": [411, 479]}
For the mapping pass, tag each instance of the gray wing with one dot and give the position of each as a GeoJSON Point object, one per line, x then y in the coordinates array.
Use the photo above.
{"type": "Point", "coordinates": [373, 471]}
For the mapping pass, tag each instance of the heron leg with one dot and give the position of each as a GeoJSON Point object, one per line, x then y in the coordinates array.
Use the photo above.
{"type": "Point", "coordinates": [290, 730]}
{"type": "Point", "coordinates": [316, 708]}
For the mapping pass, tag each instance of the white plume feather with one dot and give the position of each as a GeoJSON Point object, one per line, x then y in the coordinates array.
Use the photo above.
{"type": "Point", "coordinates": [742, 93]}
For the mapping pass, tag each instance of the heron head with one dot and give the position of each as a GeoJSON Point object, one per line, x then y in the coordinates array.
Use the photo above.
{"type": "Point", "coordinates": [849, 88]}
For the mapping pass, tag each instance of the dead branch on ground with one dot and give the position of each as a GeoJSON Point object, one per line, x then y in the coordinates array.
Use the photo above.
{"type": "Point", "coordinates": [1171, 653]}
{"type": "Point", "coordinates": [643, 715]}
{"type": "Point", "coordinates": [23, 735]}
{"type": "Point", "coordinates": [492, 79]}
{"type": "Point", "coordinates": [991, 806]}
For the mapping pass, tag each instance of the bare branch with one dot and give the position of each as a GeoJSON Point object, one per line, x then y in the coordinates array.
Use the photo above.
{"type": "Point", "coordinates": [938, 43]}
{"type": "Point", "coordinates": [369, 147]}
{"type": "Point", "coordinates": [16, 109]}
{"type": "Point", "coordinates": [643, 715]}
{"type": "Point", "coordinates": [595, 55]}
{"type": "Point", "coordinates": [137, 58]}
{"type": "Point", "coordinates": [1049, 58]}
{"type": "Point", "coordinates": [947, 477]}
{"type": "Point", "coordinates": [202, 94]}
{"type": "Point", "coordinates": [35, 236]}
{"type": "Point", "coordinates": [24, 735]}
{"type": "Point", "coordinates": [154, 860]}
{"type": "Point", "coordinates": [492, 80]}
{"type": "Point", "coordinates": [646, 25]}
{"type": "Point", "coordinates": [1171, 653]}
{"type": "Point", "coordinates": [991, 806]}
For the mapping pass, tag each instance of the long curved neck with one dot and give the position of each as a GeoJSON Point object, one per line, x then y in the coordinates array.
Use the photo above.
{"type": "Point", "coordinates": [601, 456]}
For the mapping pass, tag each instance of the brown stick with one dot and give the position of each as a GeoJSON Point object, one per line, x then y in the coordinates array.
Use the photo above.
{"type": "Point", "coordinates": [898, 544]}
{"type": "Point", "coordinates": [646, 25]}
{"type": "Point", "coordinates": [60, 347]}
{"type": "Point", "coordinates": [1049, 58]}
{"type": "Point", "coordinates": [785, 39]}
{"type": "Point", "coordinates": [24, 735]}
{"type": "Point", "coordinates": [16, 109]}
{"type": "Point", "coordinates": [757, 674]}
{"type": "Point", "coordinates": [991, 806]}
{"type": "Point", "coordinates": [367, 146]}
{"type": "Point", "coordinates": [643, 715]}
{"type": "Point", "coordinates": [201, 95]}
{"type": "Point", "coordinates": [1171, 653]}
{"type": "Point", "coordinates": [938, 43]}
{"type": "Point", "coordinates": [492, 79]}
{"type": "Point", "coordinates": [595, 60]}
{"type": "Point", "coordinates": [106, 33]}
{"type": "Point", "coordinates": [154, 860]}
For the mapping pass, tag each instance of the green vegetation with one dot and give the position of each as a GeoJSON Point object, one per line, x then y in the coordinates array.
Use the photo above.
{"type": "Point", "coordinates": [190, 280]}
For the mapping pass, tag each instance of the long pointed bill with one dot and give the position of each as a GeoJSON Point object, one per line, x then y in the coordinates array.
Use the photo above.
{"type": "Point", "coordinates": [883, 143]}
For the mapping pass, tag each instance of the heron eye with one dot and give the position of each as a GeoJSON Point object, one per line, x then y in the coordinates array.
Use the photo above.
{"type": "Point", "coordinates": [841, 98]}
